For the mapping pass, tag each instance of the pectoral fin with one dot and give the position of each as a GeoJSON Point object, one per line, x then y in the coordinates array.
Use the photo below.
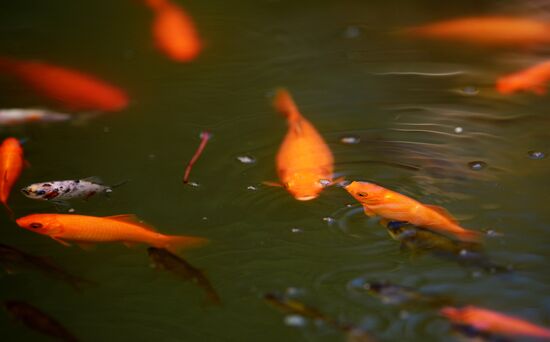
{"type": "Point", "coordinates": [442, 211]}
{"type": "Point", "coordinates": [63, 242]}
{"type": "Point", "coordinates": [368, 212]}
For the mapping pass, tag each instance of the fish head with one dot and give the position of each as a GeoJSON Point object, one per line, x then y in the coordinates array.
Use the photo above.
{"type": "Point", "coordinates": [305, 186]}
{"type": "Point", "coordinates": [366, 193]}
{"type": "Point", "coordinates": [38, 191]}
{"type": "Point", "coordinates": [45, 224]}
{"type": "Point", "coordinates": [12, 145]}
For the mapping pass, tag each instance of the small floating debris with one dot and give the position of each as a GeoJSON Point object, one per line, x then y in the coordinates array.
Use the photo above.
{"type": "Point", "coordinates": [477, 165]}
{"type": "Point", "coordinates": [459, 130]}
{"type": "Point", "coordinates": [194, 184]}
{"type": "Point", "coordinates": [536, 155]}
{"type": "Point", "coordinates": [297, 230]}
{"type": "Point", "coordinates": [470, 91]}
{"type": "Point", "coordinates": [251, 188]}
{"type": "Point", "coordinates": [350, 140]}
{"type": "Point", "coordinates": [246, 159]}
{"type": "Point", "coordinates": [205, 136]}
{"type": "Point", "coordinates": [295, 321]}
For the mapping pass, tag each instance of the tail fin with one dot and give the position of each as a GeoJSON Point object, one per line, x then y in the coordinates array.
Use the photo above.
{"type": "Point", "coordinates": [469, 236]}
{"type": "Point", "coordinates": [285, 105]}
{"type": "Point", "coordinates": [177, 243]}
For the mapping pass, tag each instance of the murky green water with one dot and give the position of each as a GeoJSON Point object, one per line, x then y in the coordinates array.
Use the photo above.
{"type": "Point", "coordinates": [342, 65]}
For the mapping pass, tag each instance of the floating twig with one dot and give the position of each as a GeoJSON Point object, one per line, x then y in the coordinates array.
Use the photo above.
{"type": "Point", "coordinates": [205, 136]}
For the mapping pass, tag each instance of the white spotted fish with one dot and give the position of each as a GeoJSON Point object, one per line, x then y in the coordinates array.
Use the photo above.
{"type": "Point", "coordinates": [60, 191]}
{"type": "Point", "coordinates": [18, 116]}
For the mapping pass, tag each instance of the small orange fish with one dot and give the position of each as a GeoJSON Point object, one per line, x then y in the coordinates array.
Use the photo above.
{"type": "Point", "coordinates": [304, 161]}
{"type": "Point", "coordinates": [394, 206]}
{"type": "Point", "coordinates": [174, 31]}
{"type": "Point", "coordinates": [531, 79]}
{"type": "Point", "coordinates": [90, 229]}
{"type": "Point", "coordinates": [11, 164]}
{"type": "Point", "coordinates": [494, 322]}
{"type": "Point", "coordinates": [489, 31]}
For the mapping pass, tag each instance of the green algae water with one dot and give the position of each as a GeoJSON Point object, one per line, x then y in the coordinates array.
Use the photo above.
{"type": "Point", "coordinates": [420, 118]}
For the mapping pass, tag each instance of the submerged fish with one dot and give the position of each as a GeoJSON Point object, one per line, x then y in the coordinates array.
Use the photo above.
{"type": "Point", "coordinates": [73, 89]}
{"type": "Point", "coordinates": [11, 164]}
{"type": "Point", "coordinates": [494, 322]}
{"type": "Point", "coordinates": [394, 206]}
{"type": "Point", "coordinates": [174, 31]}
{"type": "Point", "coordinates": [177, 265]}
{"type": "Point", "coordinates": [59, 191]}
{"type": "Point", "coordinates": [487, 31]}
{"type": "Point", "coordinates": [304, 161]}
{"type": "Point", "coordinates": [11, 258]}
{"type": "Point", "coordinates": [18, 116]}
{"type": "Point", "coordinates": [37, 320]}
{"type": "Point", "coordinates": [91, 229]}
{"type": "Point", "coordinates": [397, 295]}
{"type": "Point", "coordinates": [532, 79]}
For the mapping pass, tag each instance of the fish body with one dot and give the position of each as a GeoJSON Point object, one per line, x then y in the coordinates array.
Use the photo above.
{"type": "Point", "coordinates": [66, 189]}
{"type": "Point", "coordinates": [379, 201]}
{"type": "Point", "coordinates": [73, 89]}
{"type": "Point", "coordinates": [38, 320]}
{"type": "Point", "coordinates": [532, 79]}
{"type": "Point", "coordinates": [18, 116]}
{"type": "Point", "coordinates": [91, 229]}
{"type": "Point", "coordinates": [11, 165]}
{"type": "Point", "coordinates": [487, 31]}
{"type": "Point", "coordinates": [397, 295]}
{"type": "Point", "coordinates": [304, 161]}
{"type": "Point", "coordinates": [177, 265]}
{"type": "Point", "coordinates": [11, 257]}
{"type": "Point", "coordinates": [494, 322]}
{"type": "Point", "coordinates": [174, 31]}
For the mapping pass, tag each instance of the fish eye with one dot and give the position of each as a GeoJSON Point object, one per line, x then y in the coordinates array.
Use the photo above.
{"type": "Point", "coordinates": [35, 225]}
{"type": "Point", "coordinates": [40, 192]}
{"type": "Point", "coordinates": [362, 194]}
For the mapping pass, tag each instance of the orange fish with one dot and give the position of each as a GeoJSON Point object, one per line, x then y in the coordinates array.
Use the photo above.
{"type": "Point", "coordinates": [11, 164]}
{"type": "Point", "coordinates": [490, 31]}
{"type": "Point", "coordinates": [531, 79]}
{"type": "Point", "coordinates": [174, 31]}
{"type": "Point", "coordinates": [304, 161]}
{"type": "Point", "coordinates": [494, 322]}
{"type": "Point", "coordinates": [70, 88]}
{"type": "Point", "coordinates": [394, 206]}
{"type": "Point", "coordinates": [90, 229]}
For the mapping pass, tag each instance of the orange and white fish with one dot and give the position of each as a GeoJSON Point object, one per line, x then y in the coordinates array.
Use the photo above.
{"type": "Point", "coordinates": [533, 79]}
{"type": "Point", "coordinates": [174, 32]}
{"type": "Point", "coordinates": [90, 229]}
{"type": "Point", "coordinates": [497, 31]}
{"type": "Point", "coordinates": [494, 322]}
{"type": "Point", "coordinates": [11, 164]}
{"type": "Point", "coordinates": [304, 161]}
{"type": "Point", "coordinates": [379, 201]}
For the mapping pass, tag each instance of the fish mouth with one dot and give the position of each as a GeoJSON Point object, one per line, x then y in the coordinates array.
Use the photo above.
{"type": "Point", "coordinates": [306, 198]}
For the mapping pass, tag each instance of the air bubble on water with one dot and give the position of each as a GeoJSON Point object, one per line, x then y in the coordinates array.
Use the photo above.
{"type": "Point", "coordinates": [536, 154]}
{"type": "Point", "coordinates": [204, 218]}
{"type": "Point", "coordinates": [349, 205]}
{"type": "Point", "coordinates": [470, 90]}
{"type": "Point", "coordinates": [194, 184]}
{"type": "Point", "coordinates": [493, 233]}
{"type": "Point", "coordinates": [251, 188]}
{"type": "Point", "coordinates": [297, 230]}
{"type": "Point", "coordinates": [350, 140]}
{"type": "Point", "coordinates": [295, 321]}
{"type": "Point", "coordinates": [352, 31]}
{"type": "Point", "coordinates": [459, 130]}
{"type": "Point", "coordinates": [71, 210]}
{"type": "Point", "coordinates": [108, 190]}
{"type": "Point", "coordinates": [246, 159]}
{"type": "Point", "coordinates": [329, 220]}
{"type": "Point", "coordinates": [477, 165]}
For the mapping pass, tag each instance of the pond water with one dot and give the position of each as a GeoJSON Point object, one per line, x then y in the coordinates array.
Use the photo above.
{"type": "Point", "coordinates": [421, 118]}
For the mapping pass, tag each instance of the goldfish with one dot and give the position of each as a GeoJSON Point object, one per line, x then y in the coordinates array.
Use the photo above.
{"type": "Point", "coordinates": [11, 164]}
{"type": "Point", "coordinates": [177, 265]}
{"type": "Point", "coordinates": [17, 116]}
{"type": "Point", "coordinates": [70, 88]}
{"type": "Point", "coordinates": [532, 79]}
{"type": "Point", "coordinates": [390, 205]}
{"type": "Point", "coordinates": [38, 320]}
{"type": "Point", "coordinates": [494, 322]}
{"type": "Point", "coordinates": [60, 191]}
{"type": "Point", "coordinates": [488, 31]}
{"type": "Point", "coordinates": [174, 32]}
{"type": "Point", "coordinates": [11, 258]}
{"type": "Point", "coordinates": [91, 229]}
{"type": "Point", "coordinates": [304, 161]}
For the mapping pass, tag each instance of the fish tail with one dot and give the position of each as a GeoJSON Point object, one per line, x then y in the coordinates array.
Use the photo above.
{"type": "Point", "coordinates": [469, 236]}
{"type": "Point", "coordinates": [177, 243]}
{"type": "Point", "coordinates": [285, 105]}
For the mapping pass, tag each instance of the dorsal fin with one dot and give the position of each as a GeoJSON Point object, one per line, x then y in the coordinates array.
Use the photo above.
{"type": "Point", "coordinates": [443, 212]}
{"type": "Point", "coordinates": [131, 218]}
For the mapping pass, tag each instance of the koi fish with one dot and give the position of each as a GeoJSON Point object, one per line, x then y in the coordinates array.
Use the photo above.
{"type": "Point", "coordinates": [531, 79]}
{"type": "Point", "coordinates": [38, 320]}
{"type": "Point", "coordinates": [304, 161]}
{"type": "Point", "coordinates": [11, 257]}
{"type": "Point", "coordinates": [175, 264]}
{"type": "Point", "coordinates": [397, 295]}
{"type": "Point", "coordinates": [72, 89]}
{"type": "Point", "coordinates": [59, 191]}
{"type": "Point", "coordinates": [378, 201]}
{"type": "Point", "coordinates": [174, 31]}
{"type": "Point", "coordinates": [11, 164]}
{"type": "Point", "coordinates": [22, 116]}
{"type": "Point", "coordinates": [494, 322]}
{"type": "Point", "coordinates": [487, 31]}
{"type": "Point", "coordinates": [90, 229]}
